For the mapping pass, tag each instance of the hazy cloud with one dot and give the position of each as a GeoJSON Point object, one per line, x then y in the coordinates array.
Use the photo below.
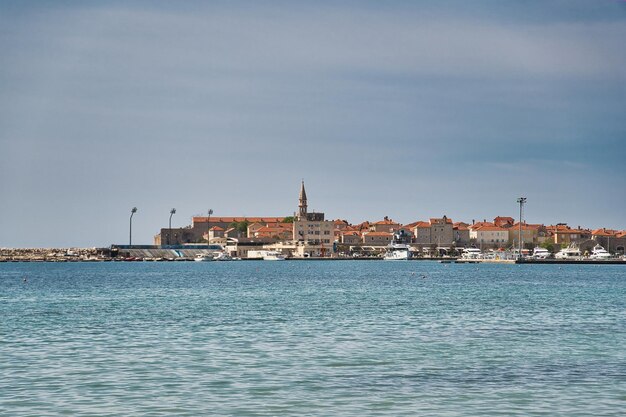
{"type": "Point", "coordinates": [104, 106]}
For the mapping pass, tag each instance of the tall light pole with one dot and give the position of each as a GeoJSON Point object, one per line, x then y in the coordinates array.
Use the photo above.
{"type": "Point", "coordinates": [130, 232]}
{"type": "Point", "coordinates": [208, 226]}
{"type": "Point", "coordinates": [521, 201]}
{"type": "Point", "coordinates": [169, 232]}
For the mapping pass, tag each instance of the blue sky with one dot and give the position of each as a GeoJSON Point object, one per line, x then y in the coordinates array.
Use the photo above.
{"type": "Point", "coordinates": [405, 109]}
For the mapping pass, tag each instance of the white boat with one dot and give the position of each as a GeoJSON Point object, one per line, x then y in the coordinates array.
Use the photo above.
{"type": "Point", "coordinates": [222, 256]}
{"type": "Point", "coordinates": [272, 255]}
{"type": "Point", "coordinates": [203, 257]}
{"type": "Point", "coordinates": [598, 252]}
{"type": "Point", "coordinates": [471, 253]}
{"type": "Point", "coordinates": [541, 253]}
{"type": "Point", "coordinates": [397, 252]}
{"type": "Point", "coordinates": [571, 252]}
{"type": "Point", "coordinates": [398, 249]}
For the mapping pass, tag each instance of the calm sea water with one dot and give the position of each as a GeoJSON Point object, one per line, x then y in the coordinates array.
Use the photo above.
{"type": "Point", "coordinates": [312, 338]}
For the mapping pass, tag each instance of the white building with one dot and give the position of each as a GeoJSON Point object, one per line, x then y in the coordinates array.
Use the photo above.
{"type": "Point", "coordinates": [490, 235]}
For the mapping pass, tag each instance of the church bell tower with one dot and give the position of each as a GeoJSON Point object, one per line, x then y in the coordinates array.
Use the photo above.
{"type": "Point", "coordinates": [302, 206]}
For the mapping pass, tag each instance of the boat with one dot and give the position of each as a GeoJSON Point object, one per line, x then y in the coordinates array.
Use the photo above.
{"type": "Point", "coordinates": [570, 252]}
{"type": "Point", "coordinates": [599, 253]}
{"type": "Point", "coordinates": [398, 249]}
{"type": "Point", "coordinates": [541, 253]}
{"type": "Point", "coordinates": [203, 257]}
{"type": "Point", "coordinates": [222, 256]}
{"type": "Point", "coordinates": [398, 252]}
{"type": "Point", "coordinates": [471, 253]}
{"type": "Point", "coordinates": [272, 255]}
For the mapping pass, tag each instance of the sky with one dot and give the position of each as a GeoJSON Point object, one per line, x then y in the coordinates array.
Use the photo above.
{"type": "Point", "coordinates": [403, 109]}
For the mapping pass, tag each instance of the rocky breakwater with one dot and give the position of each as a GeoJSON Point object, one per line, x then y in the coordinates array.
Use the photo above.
{"type": "Point", "coordinates": [53, 255]}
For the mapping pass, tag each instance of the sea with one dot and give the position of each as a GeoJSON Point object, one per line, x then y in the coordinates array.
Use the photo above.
{"type": "Point", "coordinates": [312, 338]}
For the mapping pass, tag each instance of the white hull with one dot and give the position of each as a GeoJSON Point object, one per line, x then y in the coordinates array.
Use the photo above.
{"type": "Point", "coordinates": [273, 256]}
{"type": "Point", "coordinates": [540, 253]}
{"type": "Point", "coordinates": [223, 257]}
{"type": "Point", "coordinates": [472, 253]}
{"type": "Point", "coordinates": [599, 253]}
{"type": "Point", "coordinates": [203, 259]}
{"type": "Point", "coordinates": [398, 255]}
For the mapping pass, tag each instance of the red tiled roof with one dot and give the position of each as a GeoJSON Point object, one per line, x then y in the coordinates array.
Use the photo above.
{"type": "Point", "coordinates": [480, 224]}
{"type": "Point", "coordinates": [436, 220]}
{"type": "Point", "coordinates": [410, 225]}
{"type": "Point", "coordinates": [604, 232]}
{"type": "Point", "coordinates": [525, 227]}
{"type": "Point", "coordinates": [388, 221]}
{"type": "Point", "coordinates": [422, 225]}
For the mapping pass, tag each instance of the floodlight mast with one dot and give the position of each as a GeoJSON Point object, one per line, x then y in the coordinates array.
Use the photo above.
{"type": "Point", "coordinates": [169, 232]}
{"type": "Point", "coordinates": [208, 226]}
{"type": "Point", "coordinates": [130, 231]}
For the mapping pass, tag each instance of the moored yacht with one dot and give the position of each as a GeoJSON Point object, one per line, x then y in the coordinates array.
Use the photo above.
{"type": "Point", "coordinates": [471, 253]}
{"type": "Point", "coordinates": [398, 249]}
{"type": "Point", "coordinates": [598, 252]}
{"type": "Point", "coordinates": [203, 257]}
{"type": "Point", "coordinates": [273, 255]}
{"type": "Point", "coordinates": [541, 253]}
{"type": "Point", "coordinates": [223, 256]}
{"type": "Point", "coordinates": [571, 252]}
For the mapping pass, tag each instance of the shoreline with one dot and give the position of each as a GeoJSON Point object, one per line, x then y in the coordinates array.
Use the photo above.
{"type": "Point", "coordinates": [439, 260]}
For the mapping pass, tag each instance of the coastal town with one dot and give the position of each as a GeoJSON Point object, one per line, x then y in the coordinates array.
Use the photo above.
{"type": "Point", "coordinates": [309, 235]}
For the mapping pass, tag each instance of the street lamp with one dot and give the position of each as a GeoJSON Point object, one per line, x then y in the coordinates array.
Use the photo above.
{"type": "Point", "coordinates": [169, 233]}
{"type": "Point", "coordinates": [208, 226]}
{"type": "Point", "coordinates": [521, 201]}
{"type": "Point", "coordinates": [130, 232]}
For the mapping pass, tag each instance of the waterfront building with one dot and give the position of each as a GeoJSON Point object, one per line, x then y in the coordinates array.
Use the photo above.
{"type": "Point", "coordinates": [197, 231]}
{"type": "Point", "coordinates": [562, 234]}
{"type": "Point", "coordinates": [436, 231]}
{"type": "Point", "coordinates": [532, 234]}
{"type": "Point", "coordinates": [421, 233]}
{"type": "Point", "coordinates": [350, 237]}
{"type": "Point", "coordinates": [215, 232]}
{"type": "Point", "coordinates": [490, 236]}
{"type": "Point", "coordinates": [314, 234]}
{"type": "Point", "coordinates": [278, 232]}
{"type": "Point", "coordinates": [177, 236]}
{"type": "Point", "coordinates": [239, 247]}
{"type": "Point", "coordinates": [377, 238]}
{"type": "Point", "coordinates": [441, 231]}
{"type": "Point", "coordinates": [461, 234]}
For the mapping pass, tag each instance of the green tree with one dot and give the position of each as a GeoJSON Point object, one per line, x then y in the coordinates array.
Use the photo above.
{"type": "Point", "coordinates": [289, 219]}
{"type": "Point", "coordinates": [548, 245]}
{"type": "Point", "coordinates": [241, 227]}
